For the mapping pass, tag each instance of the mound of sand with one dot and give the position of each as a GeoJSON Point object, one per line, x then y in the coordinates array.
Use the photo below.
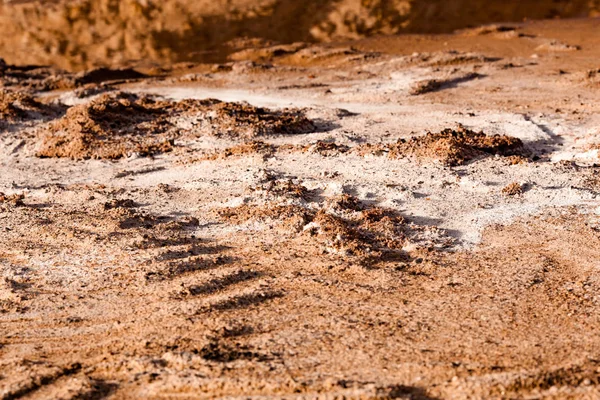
{"type": "Point", "coordinates": [238, 120]}
{"type": "Point", "coordinates": [110, 127]}
{"type": "Point", "coordinates": [117, 125]}
{"type": "Point", "coordinates": [16, 106]}
{"type": "Point", "coordinates": [343, 227]}
{"type": "Point", "coordinates": [451, 147]}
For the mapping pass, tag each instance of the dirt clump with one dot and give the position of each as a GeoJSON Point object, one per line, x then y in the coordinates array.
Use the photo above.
{"type": "Point", "coordinates": [244, 149]}
{"type": "Point", "coordinates": [119, 124]}
{"type": "Point", "coordinates": [93, 89]}
{"type": "Point", "coordinates": [119, 203]}
{"type": "Point", "coordinates": [323, 148]}
{"type": "Point", "coordinates": [451, 147]}
{"type": "Point", "coordinates": [12, 104]}
{"type": "Point", "coordinates": [513, 189]}
{"type": "Point", "coordinates": [243, 121]}
{"type": "Point", "coordinates": [345, 202]}
{"type": "Point", "coordinates": [326, 148]}
{"type": "Point", "coordinates": [100, 75]}
{"type": "Point", "coordinates": [517, 160]}
{"type": "Point", "coordinates": [266, 53]}
{"type": "Point", "coordinates": [34, 78]}
{"type": "Point", "coordinates": [17, 106]}
{"type": "Point", "coordinates": [434, 85]}
{"type": "Point", "coordinates": [343, 226]}
{"type": "Point", "coordinates": [292, 217]}
{"type": "Point", "coordinates": [371, 235]}
{"type": "Point", "coordinates": [425, 86]}
{"type": "Point", "coordinates": [279, 188]}
{"type": "Point", "coordinates": [592, 77]}
{"type": "Point", "coordinates": [329, 54]}
{"type": "Point", "coordinates": [110, 127]}
{"type": "Point", "coordinates": [450, 58]}
{"type": "Point", "coordinates": [12, 199]}
{"type": "Point", "coordinates": [488, 30]}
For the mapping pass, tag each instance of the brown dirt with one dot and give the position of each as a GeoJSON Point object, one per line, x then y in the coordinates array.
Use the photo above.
{"type": "Point", "coordinates": [110, 127]}
{"type": "Point", "coordinates": [517, 160]}
{"type": "Point", "coordinates": [18, 106]}
{"type": "Point", "coordinates": [237, 120]}
{"type": "Point", "coordinates": [86, 34]}
{"type": "Point", "coordinates": [593, 76]}
{"type": "Point", "coordinates": [433, 85]}
{"type": "Point", "coordinates": [326, 148]}
{"type": "Point", "coordinates": [310, 272]}
{"type": "Point", "coordinates": [354, 231]}
{"type": "Point", "coordinates": [13, 199]}
{"type": "Point", "coordinates": [451, 147]}
{"type": "Point", "coordinates": [100, 75]}
{"type": "Point", "coordinates": [284, 188]}
{"type": "Point", "coordinates": [241, 321]}
{"type": "Point", "coordinates": [244, 149]}
{"type": "Point", "coordinates": [451, 58]}
{"type": "Point", "coordinates": [33, 78]}
{"type": "Point", "coordinates": [266, 150]}
{"type": "Point", "coordinates": [513, 189]}
{"type": "Point", "coordinates": [119, 124]}
{"type": "Point", "coordinates": [290, 216]}
{"type": "Point", "coordinates": [373, 236]}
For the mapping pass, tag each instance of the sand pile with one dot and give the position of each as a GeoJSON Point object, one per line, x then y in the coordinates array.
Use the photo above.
{"type": "Point", "coordinates": [239, 120]}
{"type": "Point", "coordinates": [451, 147]}
{"type": "Point", "coordinates": [120, 124]}
{"type": "Point", "coordinates": [343, 226]}
{"type": "Point", "coordinates": [371, 236]}
{"type": "Point", "coordinates": [15, 106]}
{"type": "Point", "coordinates": [110, 127]}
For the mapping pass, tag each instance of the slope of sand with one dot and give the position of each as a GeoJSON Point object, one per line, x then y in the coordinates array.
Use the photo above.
{"type": "Point", "coordinates": [76, 34]}
{"type": "Point", "coordinates": [410, 217]}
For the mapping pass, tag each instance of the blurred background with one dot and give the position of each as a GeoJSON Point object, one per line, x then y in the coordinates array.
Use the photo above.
{"type": "Point", "coordinates": [80, 34]}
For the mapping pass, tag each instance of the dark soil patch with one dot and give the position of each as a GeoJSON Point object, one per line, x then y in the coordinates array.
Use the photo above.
{"type": "Point", "coordinates": [100, 75]}
{"type": "Point", "coordinates": [434, 85]}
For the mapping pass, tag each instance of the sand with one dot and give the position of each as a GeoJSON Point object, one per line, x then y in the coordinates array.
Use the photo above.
{"type": "Point", "coordinates": [153, 34]}
{"type": "Point", "coordinates": [299, 221]}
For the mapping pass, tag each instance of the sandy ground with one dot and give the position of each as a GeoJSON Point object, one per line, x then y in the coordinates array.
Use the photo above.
{"type": "Point", "coordinates": [79, 34]}
{"type": "Point", "coordinates": [410, 217]}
